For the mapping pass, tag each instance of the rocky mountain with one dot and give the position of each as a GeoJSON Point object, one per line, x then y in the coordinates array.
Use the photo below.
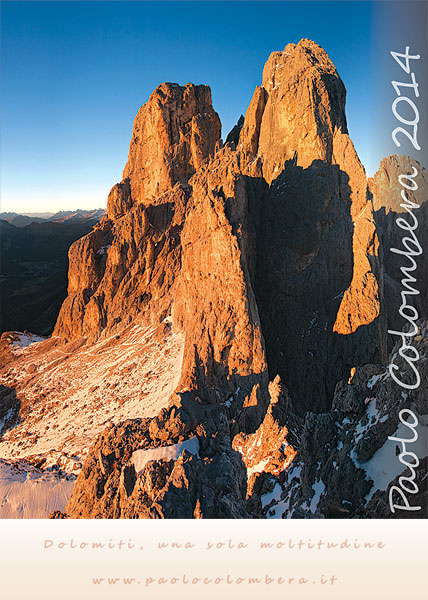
{"type": "Point", "coordinates": [18, 220]}
{"type": "Point", "coordinates": [346, 464]}
{"type": "Point", "coordinates": [231, 307]}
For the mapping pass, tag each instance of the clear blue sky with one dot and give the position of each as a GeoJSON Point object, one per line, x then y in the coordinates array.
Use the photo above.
{"type": "Point", "coordinates": [75, 73]}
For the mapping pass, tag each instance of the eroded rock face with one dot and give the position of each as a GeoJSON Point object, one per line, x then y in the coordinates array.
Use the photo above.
{"type": "Point", "coordinates": [280, 229]}
{"type": "Point", "coordinates": [318, 283]}
{"type": "Point", "coordinates": [272, 448]}
{"type": "Point", "coordinates": [346, 465]}
{"type": "Point", "coordinates": [389, 214]}
{"type": "Point", "coordinates": [305, 108]}
{"type": "Point", "coordinates": [211, 484]}
{"type": "Point", "coordinates": [174, 132]}
{"type": "Point", "coordinates": [124, 268]}
{"type": "Point", "coordinates": [131, 260]}
{"type": "Point", "coordinates": [215, 303]}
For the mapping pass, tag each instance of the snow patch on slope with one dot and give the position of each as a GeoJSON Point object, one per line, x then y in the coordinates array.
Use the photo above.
{"type": "Point", "coordinates": [28, 493]}
{"type": "Point", "coordinates": [26, 339]}
{"type": "Point", "coordinates": [281, 507]}
{"type": "Point", "coordinates": [318, 488]}
{"type": "Point", "coordinates": [384, 466]}
{"type": "Point", "coordinates": [67, 395]}
{"type": "Point", "coordinates": [140, 458]}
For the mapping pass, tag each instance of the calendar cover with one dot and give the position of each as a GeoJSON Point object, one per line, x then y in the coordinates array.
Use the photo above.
{"type": "Point", "coordinates": [214, 296]}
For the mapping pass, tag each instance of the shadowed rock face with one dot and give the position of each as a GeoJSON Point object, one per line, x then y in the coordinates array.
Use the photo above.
{"type": "Point", "coordinates": [211, 485]}
{"type": "Point", "coordinates": [346, 465]}
{"type": "Point", "coordinates": [263, 253]}
{"type": "Point", "coordinates": [279, 229]}
{"type": "Point", "coordinates": [387, 199]}
{"type": "Point", "coordinates": [318, 282]}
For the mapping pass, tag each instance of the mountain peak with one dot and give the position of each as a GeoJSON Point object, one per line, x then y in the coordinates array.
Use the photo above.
{"type": "Point", "coordinates": [173, 133]}
{"type": "Point", "coordinates": [298, 58]}
{"type": "Point", "coordinates": [296, 112]}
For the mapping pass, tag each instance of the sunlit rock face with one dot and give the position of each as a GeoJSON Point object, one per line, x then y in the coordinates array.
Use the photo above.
{"type": "Point", "coordinates": [174, 132]}
{"type": "Point", "coordinates": [258, 261]}
{"type": "Point", "coordinates": [133, 257]}
{"type": "Point", "coordinates": [279, 229]}
{"type": "Point", "coordinates": [177, 254]}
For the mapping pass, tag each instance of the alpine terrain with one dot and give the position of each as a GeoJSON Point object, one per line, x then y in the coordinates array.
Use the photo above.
{"type": "Point", "coordinates": [223, 348]}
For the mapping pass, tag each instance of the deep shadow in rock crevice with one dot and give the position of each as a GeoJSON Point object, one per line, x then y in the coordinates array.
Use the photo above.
{"type": "Point", "coordinates": [10, 406]}
{"type": "Point", "coordinates": [391, 236]}
{"type": "Point", "coordinates": [304, 264]}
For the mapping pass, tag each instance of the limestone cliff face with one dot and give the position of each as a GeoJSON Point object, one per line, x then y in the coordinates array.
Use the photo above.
{"type": "Point", "coordinates": [214, 303]}
{"type": "Point", "coordinates": [124, 268]}
{"type": "Point", "coordinates": [303, 101]}
{"type": "Point", "coordinates": [318, 283]}
{"type": "Point", "coordinates": [183, 252]}
{"type": "Point", "coordinates": [280, 229]}
{"type": "Point", "coordinates": [129, 263]}
{"type": "Point", "coordinates": [386, 187]}
{"type": "Point", "coordinates": [387, 199]}
{"type": "Point", "coordinates": [174, 132]}
{"type": "Point", "coordinates": [262, 253]}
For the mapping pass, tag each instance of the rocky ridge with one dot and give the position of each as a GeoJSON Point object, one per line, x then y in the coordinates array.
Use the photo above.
{"type": "Point", "coordinates": [346, 464]}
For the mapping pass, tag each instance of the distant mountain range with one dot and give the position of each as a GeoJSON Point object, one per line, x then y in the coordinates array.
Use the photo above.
{"type": "Point", "coordinates": [79, 215]}
{"type": "Point", "coordinates": [34, 263]}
